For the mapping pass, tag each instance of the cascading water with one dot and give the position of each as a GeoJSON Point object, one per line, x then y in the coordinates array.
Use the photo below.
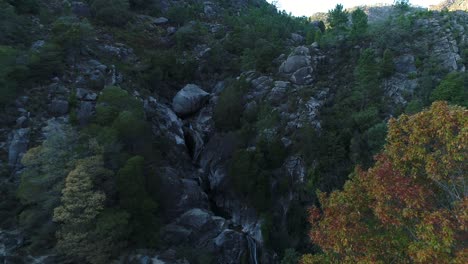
{"type": "Point", "coordinates": [252, 245]}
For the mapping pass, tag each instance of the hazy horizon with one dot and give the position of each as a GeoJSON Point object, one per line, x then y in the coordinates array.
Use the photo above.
{"type": "Point", "coordinates": [309, 7]}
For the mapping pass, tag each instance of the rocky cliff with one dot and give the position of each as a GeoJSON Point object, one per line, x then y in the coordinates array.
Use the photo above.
{"type": "Point", "coordinates": [241, 124]}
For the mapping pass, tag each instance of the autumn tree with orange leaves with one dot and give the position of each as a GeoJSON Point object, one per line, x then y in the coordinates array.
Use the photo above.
{"type": "Point", "coordinates": [411, 207]}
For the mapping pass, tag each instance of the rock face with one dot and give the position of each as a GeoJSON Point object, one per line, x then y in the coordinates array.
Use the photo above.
{"type": "Point", "coordinates": [189, 100]}
{"type": "Point", "coordinates": [18, 146]}
{"type": "Point", "coordinates": [178, 194]}
{"type": "Point", "coordinates": [58, 107]}
{"type": "Point", "coordinates": [300, 66]}
{"type": "Point", "coordinates": [405, 64]}
{"type": "Point", "coordinates": [200, 229]}
{"type": "Point", "coordinates": [441, 42]}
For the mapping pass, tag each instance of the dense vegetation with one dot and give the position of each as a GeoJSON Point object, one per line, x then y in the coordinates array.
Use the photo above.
{"type": "Point", "coordinates": [90, 191]}
{"type": "Point", "coordinates": [411, 205]}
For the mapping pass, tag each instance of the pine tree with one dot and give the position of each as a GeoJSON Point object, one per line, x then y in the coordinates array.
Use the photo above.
{"type": "Point", "coordinates": [338, 18]}
{"type": "Point", "coordinates": [359, 21]}
{"type": "Point", "coordinates": [137, 202]}
{"type": "Point", "coordinates": [387, 66]}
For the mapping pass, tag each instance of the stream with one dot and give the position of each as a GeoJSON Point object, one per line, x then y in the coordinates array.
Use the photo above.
{"type": "Point", "coordinates": [252, 245]}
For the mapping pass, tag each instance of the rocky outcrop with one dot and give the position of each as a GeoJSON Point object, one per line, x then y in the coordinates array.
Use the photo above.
{"type": "Point", "coordinates": [301, 65]}
{"type": "Point", "coordinates": [189, 100]}
{"type": "Point", "coordinates": [165, 122]}
{"type": "Point", "coordinates": [179, 194]}
{"type": "Point", "coordinates": [18, 145]}
{"type": "Point", "coordinates": [440, 39]}
{"type": "Point", "coordinates": [405, 64]}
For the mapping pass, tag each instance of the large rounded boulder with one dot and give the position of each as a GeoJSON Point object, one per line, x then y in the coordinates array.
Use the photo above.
{"type": "Point", "coordinates": [189, 100]}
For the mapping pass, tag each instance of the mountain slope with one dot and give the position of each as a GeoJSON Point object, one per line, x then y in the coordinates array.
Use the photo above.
{"type": "Point", "coordinates": [200, 131]}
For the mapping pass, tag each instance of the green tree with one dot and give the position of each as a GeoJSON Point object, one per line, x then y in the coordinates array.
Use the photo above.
{"type": "Point", "coordinates": [13, 28]}
{"type": "Point", "coordinates": [338, 18]}
{"type": "Point", "coordinates": [42, 179]}
{"type": "Point", "coordinates": [367, 87]}
{"type": "Point", "coordinates": [387, 67]}
{"type": "Point", "coordinates": [402, 5]}
{"type": "Point", "coordinates": [9, 71]}
{"type": "Point", "coordinates": [135, 199]}
{"type": "Point", "coordinates": [46, 62]}
{"type": "Point", "coordinates": [114, 100]}
{"type": "Point", "coordinates": [80, 206]}
{"type": "Point", "coordinates": [123, 113]}
{"type": "Point", "coordinates": [229, 108]}
{"type": "Point", "coordinates": [140, 4]}
{"type": "Point", "coordinates": [25, 6]}
{"type": "Point", "coordinates": [453, 88]}
{"type": "Point", "coordinates": [72, 34]}
{"type": "Point", "coordinates": [249, 179]}
{"type": "Point", "coordinates": [410, 207]}
{"type": "Point", "coordinates": [111, 12]}
{"type": "Point", "coordinates": [359, 24]}
{"type": "Point", "coordinates": [290, 256]}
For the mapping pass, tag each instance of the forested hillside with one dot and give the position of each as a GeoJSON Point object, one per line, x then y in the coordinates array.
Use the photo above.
{"type": "Point", "coordinates": [155, 131]}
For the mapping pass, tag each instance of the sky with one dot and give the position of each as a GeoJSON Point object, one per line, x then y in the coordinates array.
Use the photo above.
{"type": "Point", "coordinates": [309, 7]}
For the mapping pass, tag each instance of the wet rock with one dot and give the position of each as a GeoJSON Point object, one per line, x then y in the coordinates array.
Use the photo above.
{"type": "Point", "coordinates": [22, 121]}
{"type": "Point", "coordinates": [219, 87]}
{"type": "Point", "coordinates": [194, 142]}
{"type": "Point", "coordinates": [174, 234]}
{"type": "Point", "coordinates": [179, 195]}
{"type": "Point", "coordinates": [231, 246]}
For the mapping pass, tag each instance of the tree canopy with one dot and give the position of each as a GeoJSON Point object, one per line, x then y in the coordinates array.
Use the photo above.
{"type": "Point", "coordinates": [410, 206]}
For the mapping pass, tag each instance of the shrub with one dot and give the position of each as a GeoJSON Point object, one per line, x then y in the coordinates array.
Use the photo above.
{"type": "Point", "coordinates": [111, 12]}
{"type": "Point", "coordinates": [248, 178]}
{"type": "Point", "coordinates": [180, 14]}
{"type": "Point", "coordinates": [112, 101]}
{"type": "Point", "coordinates": [123, 116]}
{"type": "Point", "coordinates": [8, 68]}
{"type": "Point", "coordinates": [72, 34]}
{"type": "Point", "coordinates": [229, 108]}
{"type": "Point", "coordinates": [168, 66]}
{"type": "Point", "coordinates": [25, 6]}
{"type": "Point", "coordinates": [140, 4]}
{"type": "Point", "coordinates": [453, 88]}
{"type": "Point", "coordinates": [47, 62]}
{"type": "Point", "coordinates": [12, 26]}
{"type": "Point", "coordinates": [290, 256]}
{"type": "Point", "coordinates": [189, 34]}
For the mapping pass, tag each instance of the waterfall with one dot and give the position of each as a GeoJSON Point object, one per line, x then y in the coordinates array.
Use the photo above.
{"type": "Point", "coordinates": [252, 249]}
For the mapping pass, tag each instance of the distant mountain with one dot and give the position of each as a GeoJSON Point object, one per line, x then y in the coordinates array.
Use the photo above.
{"type": "Point", "coordinates": [452, 5]}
